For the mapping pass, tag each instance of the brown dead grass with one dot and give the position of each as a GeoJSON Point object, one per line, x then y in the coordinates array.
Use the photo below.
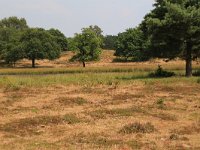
{"type": "Point", "coordinates": [94, 121]}
{"type": "Point", "coordinates": [106, 60]}
{"type": "Point", "coordinates": [81, 116]}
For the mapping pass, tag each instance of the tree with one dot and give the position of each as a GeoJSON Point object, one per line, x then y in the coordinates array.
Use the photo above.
{"type": "Point", "coordinates": [109, 42]}
{"type": "Point", "coordinates": [131, 45]}
{"type": "Point", "coordinates": [87, 45]}
{"type": "Point", "coordinates": [99, 33]}
{"type": "Point", "coordinates": [14, 22]}
{"type": "Point", "coordinates": [174, 29]}
{"type": "Point", "coordinates": [97, 30]}
{"type": "Point", "coordinates": [60, 38]}
{"type": "Point", "coordinates": [11, 30]}
{"type": "Point", "coordinates": [13, 53]}
{"type": "Point", "coordinates": [39, 44]}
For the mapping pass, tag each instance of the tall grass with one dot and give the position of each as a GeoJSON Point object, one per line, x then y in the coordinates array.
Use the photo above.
{"type": "Point", "coordinates": [114, 69]}
{"type": "Point", "coordinates": [88, 79]}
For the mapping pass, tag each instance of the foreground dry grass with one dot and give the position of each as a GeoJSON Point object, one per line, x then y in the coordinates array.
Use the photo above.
{"type": "Point", "coordinates": [105, 106]}
{"type": "Point", "coordinates": [135, 115]}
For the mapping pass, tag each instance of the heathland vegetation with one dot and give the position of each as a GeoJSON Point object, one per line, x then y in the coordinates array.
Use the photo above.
{"type": "Point", "coordinates": [136, 94]}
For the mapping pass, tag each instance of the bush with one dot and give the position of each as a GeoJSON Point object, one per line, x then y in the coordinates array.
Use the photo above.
{"type": "Point", "coordinates": [161, 73]}
{"type": "Point", "coordinates": [196, 73]}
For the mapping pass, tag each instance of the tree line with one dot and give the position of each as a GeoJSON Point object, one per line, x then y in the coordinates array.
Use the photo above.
{"type": "Point", "coordinates": [170, 30]}
{"type": "Point", "coordinates": [18, 41]}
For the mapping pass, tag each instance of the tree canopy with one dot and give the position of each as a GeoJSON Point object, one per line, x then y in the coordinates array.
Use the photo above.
{"type": "Point", "coordinates": [39, 44]}
{"type": "Point", "coordinates": [60, 38]}
{"type": "Point", "coordinates": [131, 45]}
{"type": "Point", "coordinates": [11, 30]}
{"type": "Point", "coordinates": [14, 22]}
{"type": "Point", "coordinates": [174, 30]}
{"type": "Point", "coordinates": [18, 41]}
{"type": "Point", "coordinates": [109, 42]}
{"type": "Point", "coordinates": [87, 45]}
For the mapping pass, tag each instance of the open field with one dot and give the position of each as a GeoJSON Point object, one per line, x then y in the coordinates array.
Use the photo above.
{"type": "Point", "coordinates": [111, 106]}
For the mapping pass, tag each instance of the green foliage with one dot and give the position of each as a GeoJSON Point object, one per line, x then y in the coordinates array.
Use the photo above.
{"type": "Point", "coordinates": [196, 73]}
{"type": "Point", "coordinates": [39, 44]}
{"type": "Point", "coordinates": [14, 22]}
{"type": "Point", "coordinates": [18, 41]}
{"type": "Point", "coordinates": [13, 53]}
{"type": "Point", "coordinates": [109, 42]}
{"type": "Point", "coordinates": [173, 28]}
{"type": "Point", "coordinates": [98, 31]}
{"type": "Point", "coordinates": [87, 45]}
{"type": "Point", "coordinates": [60, 39]}
{"type": "Point", "coordinates": [161, 73]}
{"type": "Point", "coordinates": [131, 45]}
{"type": "Point", "coordinates": [11, 30]}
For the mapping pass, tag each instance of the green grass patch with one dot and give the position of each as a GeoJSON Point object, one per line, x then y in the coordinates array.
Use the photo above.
{"type": "Point", "coordinates": [89, 79]}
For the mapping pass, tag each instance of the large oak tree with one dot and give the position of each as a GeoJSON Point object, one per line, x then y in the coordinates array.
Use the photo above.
{"type": "Point", "coordinates": [39, 44]}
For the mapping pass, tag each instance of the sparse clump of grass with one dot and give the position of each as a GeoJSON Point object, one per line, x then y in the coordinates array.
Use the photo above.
{"type": "Point", "coordinates": [161, 103]}
{"type": "Point", "coordinates": [138, 128]}
{"type": "Point", "coordinates": [71, 119]}
{"type": "Point", "coordinates": [194, 128]}
{"type": "Point", "coordinates": [165, 116]}
{"type": "Point", "coordinates": [96, 140]}
{"type": "Point", "coordinates": [103, 113]}
{"type": "Point", "coordinates": [11, 100]}
{"type": "Point", "coordinates": [10, 85]}
{"type": "Point", "coordinates": [135, 144]}
{"type": "Point", "coordinates": [101, 141]}
{"type": "Point", "coordinates": [174, 137]}
{"type": "Point", "coordinates": [126, 96]}
{"type": "Point", "coordinates": [160, 73]}
{"type": "Point", "coordinates": [72, 101]}
{"type": "Point", "coordinates": [30, 125]}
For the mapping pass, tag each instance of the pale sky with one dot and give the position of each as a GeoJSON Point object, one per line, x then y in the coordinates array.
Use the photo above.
{"type": "Point", "coordinates": [69, 16]}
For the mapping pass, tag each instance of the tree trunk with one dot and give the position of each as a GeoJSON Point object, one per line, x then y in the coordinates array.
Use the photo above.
{"type": "Point", "coordinates": [189, 61]}
{"type": "Point", "coordinates": [83, 64]}
{"type": "Point", "coordinates": [33, 63]}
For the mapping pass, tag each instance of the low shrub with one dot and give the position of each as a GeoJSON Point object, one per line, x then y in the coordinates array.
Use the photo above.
{"type": "Point", "coordinates": [161, 73]}
{"type": "Point", "coordinates": [196, 73]}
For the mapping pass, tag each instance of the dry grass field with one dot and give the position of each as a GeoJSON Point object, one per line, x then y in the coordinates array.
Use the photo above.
{"type": "Point", "coordinates": [107, 106]}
